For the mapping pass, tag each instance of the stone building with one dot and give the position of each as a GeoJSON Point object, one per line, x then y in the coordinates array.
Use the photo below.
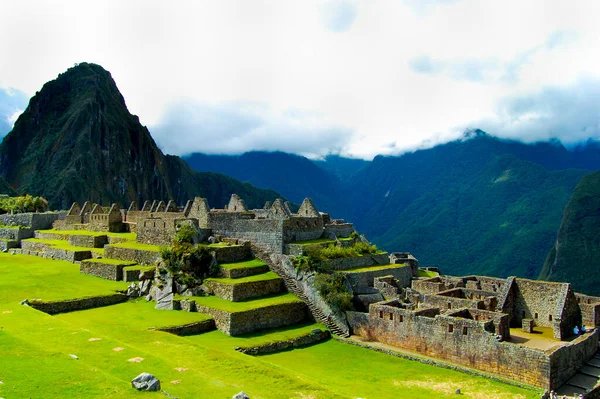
{"type": "Point", "coordinates": [468, 321]}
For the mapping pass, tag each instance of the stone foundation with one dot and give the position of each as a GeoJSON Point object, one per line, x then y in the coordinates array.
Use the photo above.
{"type": "Point", "coordinates": [243, 271]}
{"type": "Point", "coordinates": [106, 270]}
{"type": "Point", "coordinates": [240, 323]}
{"type": "Point", "coordinates": [139, 256]}
{"type": "Point", "coordinates": [242, 291]}
{"type": "Point", "coordinates": [357, 262]}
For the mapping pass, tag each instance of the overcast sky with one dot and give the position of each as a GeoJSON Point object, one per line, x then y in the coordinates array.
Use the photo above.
{"type": "Point", "coordinates": [354, 77]}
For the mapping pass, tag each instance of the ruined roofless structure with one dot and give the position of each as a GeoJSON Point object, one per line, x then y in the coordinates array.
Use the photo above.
{"type": "Point", "coordinates": [270, 228]}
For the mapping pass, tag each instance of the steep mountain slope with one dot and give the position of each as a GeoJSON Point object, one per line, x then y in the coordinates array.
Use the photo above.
{"type": "Point", "coordinates": [575, 257]}
{"type": "Point", "coordinates": [77, 141]}
{"type": "Point", "coordinates": [294, 176]}
{"type": "Point", "coordinates": [5, 188]}
{"type": "Point", "coordinates": [343, 168]}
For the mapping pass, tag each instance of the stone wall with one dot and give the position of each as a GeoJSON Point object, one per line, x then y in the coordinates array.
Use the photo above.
{"type": "Point", "coordinates": [71, 305]}
{"type": "Point", "coordinates": [189, 329]}
{"type": "Point", "coordinates": [106, 270]}
{"type": "Point", "coordinates": [459, 340]}
{"type": "Point", "coordinates": [88, 241]}
{"type": "Point", "coordinates": [140, 256]}
{"type": "Point", "coordinates": [15, 233]}
{"type": "Point", "coordinates": [36, 221]}
{"type": "Point", "coordinates": [256, 319]}
{"type": "Point", "coordinates": [242, 291]}
{"type": "Point", "coordinates": [339, 230]}
{"type": "Point", "coordinates": [304, 340]}
{"type": "Point", "coordinates": [356, 262]}
{"type": "Point", "coordinates": [590, 309]}
{"type": "Point", "coordinates": [567, 360]}
{"type": "Point", "coordinates": [447, 303]}
{"type": "Point", "coordinates": [233, 253]}
{"type": "Point", "coordinates": [361, 281]}
{"type": "Point", "coordinates": [265, 233]}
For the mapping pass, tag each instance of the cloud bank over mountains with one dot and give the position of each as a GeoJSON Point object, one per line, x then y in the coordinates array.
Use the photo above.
{"type": "Point", "coordinates": [356, 77]}
{"type": "Point", "coordinates": [12, 104]}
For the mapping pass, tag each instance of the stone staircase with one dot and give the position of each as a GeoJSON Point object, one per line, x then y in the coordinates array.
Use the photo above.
{"type": "Point", "coordinates": [291, 285]}
{"type": "Point", "coordinates": [584, 381]}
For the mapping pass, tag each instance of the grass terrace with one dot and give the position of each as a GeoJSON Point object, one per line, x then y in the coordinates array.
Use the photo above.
{"type": "Point", "coordinates": [127, 236]}
{"type": "Point", "coordinates": [34, 277]}
{"type": "Point", "coordinates": [427, 273]}
{"type": "Point", "coordinates": [109, 261]}
{"type": "Point", "coordinates": [137, 245]}
{"type": "Point", "coordinates": [258, 277]}
{"type": "Point", "coordinates": [242, 265]}
{"type": "Point", "coordinates": [374, 268]}
{"type": "Point", "coordinates": [320, 241]}
{"type": "Point", "coordinates": [114, 345]}
{"type": "Point", "coordinates": [234, 307]}
{"type": "Point", "coordinates": [135, 267]}
{"type": "Point", "coordinates": [62, 244]}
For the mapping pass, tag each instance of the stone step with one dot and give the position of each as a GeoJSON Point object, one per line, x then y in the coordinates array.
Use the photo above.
{"type": "Point", "coordinates": [594, 362]}
{"type": "Point", "coordinates": [245, 288]}
{"type": "Point", "coordinates": [590, 370]}
{"type": "Point", "coordinates": [583, 381]}
{"type": "Point", "coordinates": [570, 391]}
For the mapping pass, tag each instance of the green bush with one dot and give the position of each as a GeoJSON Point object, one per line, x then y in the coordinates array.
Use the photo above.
{"type": "Point", "coordinates": [188, 264]}
{"type": "Point", "coordinates": [185, 234]}
{"type": "Point", "coordinates": [333, 289]}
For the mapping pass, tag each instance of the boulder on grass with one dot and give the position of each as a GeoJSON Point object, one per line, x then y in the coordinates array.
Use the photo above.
{"type": "Point", "coordinates": [146, 382]}
{"type": "Point", "coordinates": [241, 395]}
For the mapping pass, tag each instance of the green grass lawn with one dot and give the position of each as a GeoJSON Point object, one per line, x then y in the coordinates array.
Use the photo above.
{"type": "Point", "coordinates": [34, 277]}
{"type": "Point", "coordinates": [63, 244]}
{"type": "Point", "coordinates": [137, 267]}
{"type": "Point", "coordinates": [233, 307]}
{"type": "Point", "coordinates": [258, 277]}
{"type": "Point", "coordinates": [242, 265]}
{"type": "Point", "coordinates": [35, 348]}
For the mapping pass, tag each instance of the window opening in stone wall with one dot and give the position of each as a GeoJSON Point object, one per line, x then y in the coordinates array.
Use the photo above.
{"type": "Point", "coordinates": [535, 315]}
{"type": "Point", "coordinates": [400, 318]}
{"type": "Point", "coordinates": [549, 317]}
{"type": "Point", "coordinates": [523, 314]}
{"type": "Point", "coordinates": [578, 300]}
{"type": "Point", "coordinates": [450, 327]}
{"type": "Point", "coordinates": [465, 331]}
{"type": "Point", "coordinates": [449, 305]}
{"type": "Point", "coordinates": [391, 316]}
{"type": "Point", "coordinates": [381, 315]}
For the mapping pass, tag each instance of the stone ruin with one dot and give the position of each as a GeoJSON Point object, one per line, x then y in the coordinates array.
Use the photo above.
{"type": "Point", "coordinates": [270, 228]}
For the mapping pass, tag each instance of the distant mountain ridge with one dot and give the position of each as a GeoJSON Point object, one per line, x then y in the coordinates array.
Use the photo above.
{"type": "Point", "coordinates": [478, 205]}
{"type": "Point", "coordinates": [77, 141]}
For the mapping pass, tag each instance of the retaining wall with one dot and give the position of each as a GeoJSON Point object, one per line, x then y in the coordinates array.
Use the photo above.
{"type": "Point", "coordinates": [140, 256]}
{"type": "Point", "coordinates": [71, 305]}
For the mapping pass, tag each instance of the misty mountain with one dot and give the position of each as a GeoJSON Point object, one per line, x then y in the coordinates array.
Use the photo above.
{"type": "Point", "coordinates": [77, 141]}
{"type": "Point", "coordinates": [478, 205]}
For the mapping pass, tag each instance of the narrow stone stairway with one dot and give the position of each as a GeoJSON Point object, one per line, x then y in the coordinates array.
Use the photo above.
{"type": "Point", "coordinates": [584, 381]}
{"type": "Point", "coordinates": [291, 285]}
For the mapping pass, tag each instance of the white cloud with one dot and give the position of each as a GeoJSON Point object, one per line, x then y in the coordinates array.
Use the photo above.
{"type": "Point", "coordinates": [235, 128]}
{"type": "Point", "coordinates": [355, 63]}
